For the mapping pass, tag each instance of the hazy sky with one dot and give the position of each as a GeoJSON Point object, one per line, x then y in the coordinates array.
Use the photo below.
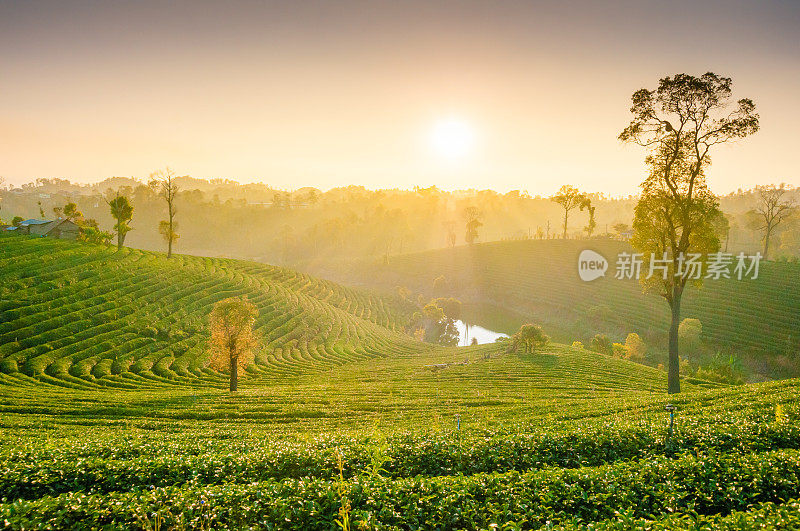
{"type": "Point", "coordinates": [342, 92]}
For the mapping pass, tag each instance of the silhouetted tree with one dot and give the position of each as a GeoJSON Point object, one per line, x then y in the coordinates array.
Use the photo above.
{"type": "Point", "coordinates": [472, 215]}
{"type": "Point", "coordinates": [163, 182]}
{"type": "Point", "coordinates": [589, 228]}
{"type": "Point", "coordinates": [772, 210]}
{"type": "Point", "coordinates": [679, 122]}
{"type": "Point", "coordinates": [569, 198]}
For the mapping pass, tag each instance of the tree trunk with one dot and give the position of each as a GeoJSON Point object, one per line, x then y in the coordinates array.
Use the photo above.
{"type": "Point", "coordinates": [766, 244]}
{"type": "Point", "coordinates": [169, 244]}
{"type": "Point", "coordinates": [120, 240]}
{"type": "Point", "coordinates": [566, 216]}
{"type": "Point", "coordinates": [673, 373]}
{"type": "Point", "coordinates": [234, 375]}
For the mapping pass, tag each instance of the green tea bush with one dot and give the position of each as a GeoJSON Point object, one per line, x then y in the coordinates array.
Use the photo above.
{"type": "Point", "coordinates": [705, 485]}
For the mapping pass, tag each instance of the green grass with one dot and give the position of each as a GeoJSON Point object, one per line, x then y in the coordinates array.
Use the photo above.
{"type": "Point", "coordinates": [110, 419]}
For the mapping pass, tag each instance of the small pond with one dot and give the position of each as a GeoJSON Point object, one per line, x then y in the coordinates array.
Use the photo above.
{"type": "Point", "coordinates": [483, 335]}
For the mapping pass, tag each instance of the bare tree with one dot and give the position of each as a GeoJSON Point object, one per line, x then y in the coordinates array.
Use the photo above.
{"type": "Point", "coordinates": [772, 210]}
{"type": "Point", "coordinates": [163, 183]}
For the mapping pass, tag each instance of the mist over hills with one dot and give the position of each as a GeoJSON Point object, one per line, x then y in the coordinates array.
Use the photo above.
{"type": "Point", "coordinates": [255, 221]}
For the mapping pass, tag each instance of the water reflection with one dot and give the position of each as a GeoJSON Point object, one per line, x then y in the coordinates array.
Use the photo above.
{"type": "Point", "coordinates": [466, 333]}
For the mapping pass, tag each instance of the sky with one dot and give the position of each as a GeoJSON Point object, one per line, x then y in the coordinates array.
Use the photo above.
{"type": "Point", "coordinates": [332, 93]}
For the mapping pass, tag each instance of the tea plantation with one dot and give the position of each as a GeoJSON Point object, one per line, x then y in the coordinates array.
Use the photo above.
{"type": "Point", "coordinates": [87, 317]}
{"type": "Point", "coordinates": [110, 419]}
{"type": "Point", "coordinates": [537, 280]}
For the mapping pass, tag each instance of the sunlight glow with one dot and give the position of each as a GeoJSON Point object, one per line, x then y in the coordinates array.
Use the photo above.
{"type": "Point", "coordinates": [452, 138]}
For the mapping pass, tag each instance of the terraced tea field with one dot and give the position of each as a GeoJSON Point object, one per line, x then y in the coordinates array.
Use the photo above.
{"type": "Point", "coordinates": [537, 281]}
{"type": "Point", "coordinates": [524, 442]}
{"type": "Point", "coordinates": [84, 316]}
{"type": "Point", "coordinates": [110, 418]}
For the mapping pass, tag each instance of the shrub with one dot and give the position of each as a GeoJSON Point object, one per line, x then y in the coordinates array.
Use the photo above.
{"type": "Point", "coordinates": [635, 348]}
{"type": "Point", "coordinates": [528, 338]}
{"type": "Point", "coordinates": [439, 286]}
{"type": "Point", "coordinates": [689, 332]}
{"type": "Point", "coordinates": [602, 344]}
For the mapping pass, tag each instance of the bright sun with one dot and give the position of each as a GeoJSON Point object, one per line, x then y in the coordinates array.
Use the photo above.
{"type": "Point", "coordinates": [452, 138]}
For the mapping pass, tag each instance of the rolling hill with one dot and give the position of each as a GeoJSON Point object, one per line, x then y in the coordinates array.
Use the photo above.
{"type": "Point", "coordinates": [508, 283]}
{"type": "Point", "coordinates": [88, 316]}
{"type": "Point", "coordinates": [110, 419]}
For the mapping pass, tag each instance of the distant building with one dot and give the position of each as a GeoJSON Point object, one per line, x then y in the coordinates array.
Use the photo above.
{"type": "Point", "coordinates": [62, 229]}
{"type": "Point", "coordinates": [24, 227]}
{"type": "Point", "coordinates": [626, 235]}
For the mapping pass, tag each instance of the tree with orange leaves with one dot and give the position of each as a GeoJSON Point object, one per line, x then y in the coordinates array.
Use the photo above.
{"type": "Point", "coordinates": [232, 338]}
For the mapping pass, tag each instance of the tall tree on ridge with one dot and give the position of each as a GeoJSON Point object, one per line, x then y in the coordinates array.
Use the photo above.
{"type": "Point", "coordinates": [163, 183]}
{"type": "Point", "coordinates": [569, 198]}
{"type": "Point", "coordinates": [772, 210]}
{"type": "Point", "coordinates": [122, 211]}
{"type": "Point", "coordinates": [679, 122]}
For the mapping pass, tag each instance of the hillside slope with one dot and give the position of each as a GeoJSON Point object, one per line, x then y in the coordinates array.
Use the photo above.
{"type": "Point", "coordinates": [74, 314]}
{"type": "Point", "coordinates": [538, 281]}
{"type": "Point", "coordinates": [340, 410]}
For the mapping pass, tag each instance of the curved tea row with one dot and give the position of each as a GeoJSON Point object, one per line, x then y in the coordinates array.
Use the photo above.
{"type": "Point", "coordinates": [82, 315]}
